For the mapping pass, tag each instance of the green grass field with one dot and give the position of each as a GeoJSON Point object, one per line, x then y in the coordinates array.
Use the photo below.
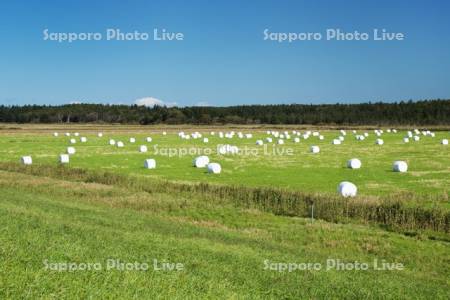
{"type": "Point", "coordinates": [51, 215]}
{"type": "Point", "coordinates": [428, 160]}
{"type": "Point", "coordinates": [223, 249]}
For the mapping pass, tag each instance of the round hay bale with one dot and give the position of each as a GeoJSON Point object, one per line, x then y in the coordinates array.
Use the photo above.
{"type": "Point", "coordinates": [214, 168]}
{"type": "Point", "coordinates": [336, 142]}
{"type": "Point", "coordinates": [400, 166]}
{"type": "Point", "coordinates": [259, 142]}
{"type": "Point", "coordinates": [205, 140]}
{"type": "Point", "coordinates": [83, 139]}
{"type": "Point", "coordinates": [148, 139]}
{"type": "Point", "coordinates": [379, 142]}
{"type": "Point", "coordinates": [76, 134]}
{"type": "Point", "coordinates": [315, 149]}
{"type": "Point", "coordinates": [143, 148]}
{"type": "Point", "coordinates": [416, 138]}
{"type": "Point", "coordinates": [354, 163]}
{"type": "Point", "coordinates": [64, 158]}
{"type": "Point", "coordinates": [269, 140]}
{"type": "Point", "coordinates": [55, 134]}
{"type": "Point", "coordinates": [444, 142]}
{"type": "Point", "coordinates": [347, 189]}
{"type": "Point", "coordinates": [67, 134]}
{"type": "Point", "coordinates": [321, 137]}
{"type": "Point", "coordinates": [112, 142]}
{"type": "Point", "coordinates": [405, 140]}
{"type": "Point", "coordinates": [201, 161]}
{"type": "Point", "coordinates": [296, 140]}
{"type": "Point", "coordinates": [280, 142]}
{"type": "Point", "coordinates": [73, 141]}
{"type": "Point", "coordinates": [26, 160]}
{"type": "Point", "coordinates": [100, 134]}
{"type": "Point", "coordinates": [70, 150]}
{"type": "Point", "coordinates": [120, 144]}
{"type": "Point", "coordinates": [164, 133]}
{"type": "Point", "coordinates": [132, 140]}
{"type": "Point", "coordinates": [150, 163]}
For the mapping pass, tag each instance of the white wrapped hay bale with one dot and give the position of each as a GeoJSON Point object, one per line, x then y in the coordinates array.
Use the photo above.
{"type": "Point", "coordinates": [400, 166]}
{"type": "Point", "coordinates": [321, 137]}
{"type": "Point", "coordinates": [132, 140]}
{"type": "Point", "coordinates": [143, 148]}
{"type": "Point", "coordinates": [73, 141]}
{"type": "Point", "coordinates": [259, 142]}
{"type": "Point", "coordinates": [341, 138]}
{"type": "Point", "coordinates": [416, 138]}
{"type": "Point", "coordinates": [315, 149]}
{"type": "Point", "coordinates": [148, 139]}
{"type": "Point", "coordinates": [64, 158]}
{"type": "Point", "coordinates": [214, 168]}
{"type": "Point", "coordinates": [164, 133]}
{"type": "Point", "coordinates": [120, 144]}
{"type": "Point", "coordinates": [205, 140]}
{"type": "Point", "coordinates": [379, 142]}
{"type": "Point", "coordinates": [112, 142]}
{"type": "Point", "coordinates": [201, 161]}
{"type": "Point", "coordinates": [67, 134]}
{"type": "Point", "coordinates": [444, 142]}
{"type": "Point", "coordinates": [354, 163]}
{"type": "Point", "coordinates": [269, 140]}
{"type": "Point", "coordinates": [55, 134]}
{"type": "Point", "coordinates": [76, 134]}
{"type": "Point", "coordinates": [70, 150]}
{"type": "Point", "coordinates": [99, 134]}
{"type": "Point", "coordinates": [83, 139]}
{"type": "Point", "coordinates": [26, 160]}
{"type": "Point", "coordinates": [405, 140]}
{"type": "Point", "coordinates": [296, 140]}
{"type": "Point", "coordinates": [336, 142]}
{"type": "Point", "coordinates": [280, 142]}
{"type": "Point", "coordinates": [347, 189]}
{"type": "Point", "coordinates": [150, 163]}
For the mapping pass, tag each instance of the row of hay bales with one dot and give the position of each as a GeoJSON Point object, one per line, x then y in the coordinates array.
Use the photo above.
{"type": "Point", "coordinates": [346, 189]}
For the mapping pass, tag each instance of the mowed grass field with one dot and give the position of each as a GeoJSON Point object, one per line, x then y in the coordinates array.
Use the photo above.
{"type": "Point", "coordinates": [51, 217]}
{"type": "Point", "coordinates": [290, 166]}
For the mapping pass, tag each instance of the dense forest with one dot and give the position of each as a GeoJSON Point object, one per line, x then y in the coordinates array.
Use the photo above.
{"type": "Point", "coordinates": [432, 112]}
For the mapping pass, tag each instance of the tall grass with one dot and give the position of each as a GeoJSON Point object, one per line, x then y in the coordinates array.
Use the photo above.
{"type": "Point", "coordinates": [393, 212]}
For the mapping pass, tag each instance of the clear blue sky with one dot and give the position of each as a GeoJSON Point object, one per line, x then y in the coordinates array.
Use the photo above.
{"type": "Point", "coordinates": [223, 59]}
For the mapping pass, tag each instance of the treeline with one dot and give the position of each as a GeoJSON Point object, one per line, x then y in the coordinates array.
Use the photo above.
{"type": "Point", "coordinates": [432, 112]}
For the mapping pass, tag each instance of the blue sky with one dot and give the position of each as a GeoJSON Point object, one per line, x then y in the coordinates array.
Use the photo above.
{"type": "Point", "coordinates": [223, 59]}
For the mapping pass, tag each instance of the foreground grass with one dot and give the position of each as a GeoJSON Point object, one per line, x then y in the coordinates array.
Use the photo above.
{"type": "Point", "coordinates": [222, 247]}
